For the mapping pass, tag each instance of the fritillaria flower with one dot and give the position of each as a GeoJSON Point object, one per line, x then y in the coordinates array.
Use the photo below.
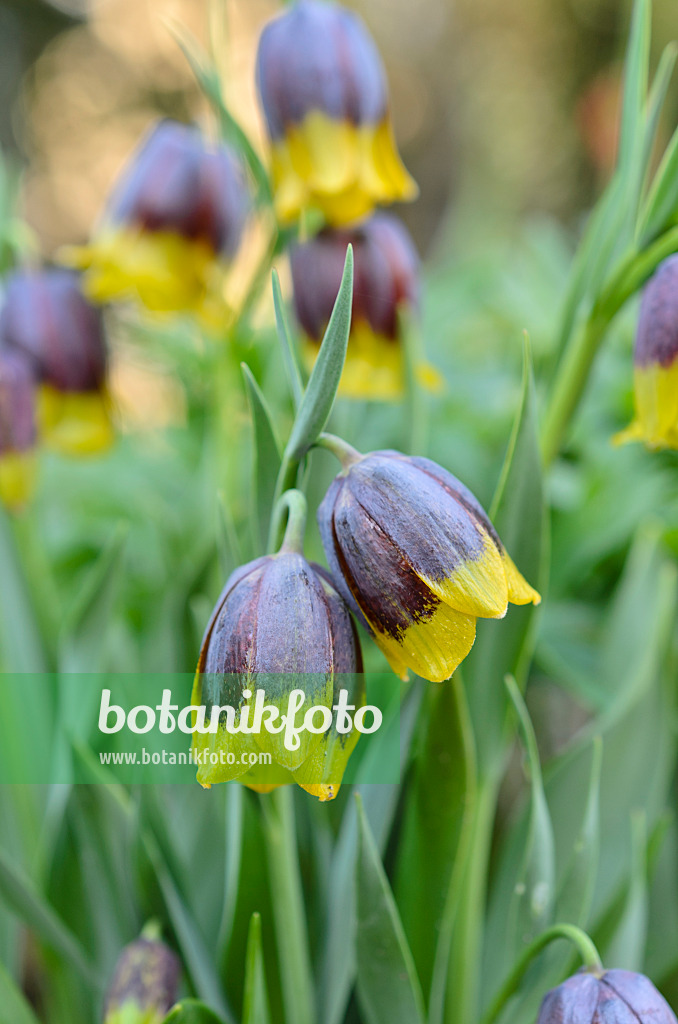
{"type": "Point", "coordinates": [173, 224]}
{"type": "Point", "coordinates": [615, 997]}
{"type": "Point", "coordinates": [656, 363]}
{"type": "Point", "coordinates": [416, 558]}
{"type": "Point", "coordinates": [17, 428]}
{"type": "Point", "coordinates": [144, 985]}
{"type": "Point", "coordinates": [279, 626]}
{"type": "Point", "coordinates": [47, 320]}
{"type": "Point", "coordinates": [385, 291]}
{"type": "Point", "coordinates": [325, 98]}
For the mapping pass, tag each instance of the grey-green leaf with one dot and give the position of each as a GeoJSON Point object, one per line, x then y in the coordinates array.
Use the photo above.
{"type": "Point", "coordinates": [15, 1008]}
{"type": "Point", "coordinates": [388, 987]}
{"type": "Point", "coordinates": [316, 405]}
{"type": "Point", "coordinates": [255, 1002]}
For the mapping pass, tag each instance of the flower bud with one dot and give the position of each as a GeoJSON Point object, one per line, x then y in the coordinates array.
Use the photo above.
{"type": "Point", "coordinates": [416, 558]}
{"type": "Point", "coordinates": [144, 985]}
{"type": "Point", "coordinates": [325, 98]}
{"type": "Point", "coordinates": [617, 997]}
{"type": "Point", "coordinates": [176, 215]}
{"type": "Point", "coordinates": [17, 428]}
{"type": "Point", "coordinates": [279, 626]}
{"type": "Point", "coordinates": [386, 283]}
{"type": "Point", "coordinates": [46, 318]}
{"type": "Point", "coordinates": [656, 362]}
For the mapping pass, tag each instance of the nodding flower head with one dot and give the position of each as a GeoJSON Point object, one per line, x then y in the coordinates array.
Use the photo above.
{"type": "Point", "coordinates": [416, 558]}
{"type": "Point", "coordinates": [656, 363]}
{"type": "Point", "coordinates": [144, 985]}
{"type": "Point", "coordinates": [174, 221]}
{"type": "Point", "coordinates": [46, 318]}
{"type": "Point", "coordinates": [17, 428]}
{"type": "Point", "coordinates": [325, 98]}
{"type": "Point", "coordinates": [617, 997]}
{"type": "Point", "coordinates": [279, 626]}
{"type": "Point", "coordinates": [386, 286]}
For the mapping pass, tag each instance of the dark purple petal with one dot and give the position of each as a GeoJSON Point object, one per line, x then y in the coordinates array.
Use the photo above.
{"type": "Point", "coordinates": [319, 56]}
{"type": "Point", "coordinates": [46, 317]}
{"type": "Point", "coordinates": [17, 403]}
{"type": "Point", "coordinates": [573, 1002]}
{"type": "Point", "coordinates": [176, 183]}
{"type": "Point", "coordinates": [657, 336]}
{"type": "Point", "coordinates": [386, 275]}
{"type": "Point", "coordinates": [640, 994]}
{"type": "Point", "coordinates": [146, 975]}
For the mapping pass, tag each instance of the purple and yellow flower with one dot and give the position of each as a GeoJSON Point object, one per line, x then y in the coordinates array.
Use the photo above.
{"type": "Point", "coordinates": [614, 996]}
{"type": "Point", "coordinates": [144, 985]}
{"type": "Point", "coordinates": [417, 560]}
{"type": "Point", "coordinates": [18, 433]}
{"type": "Point", "coordinates": [386, 289]}
{"type": "Point", "coordinates": [325, 98]}
{"type": "Point", "coordinates": [278, 626]}
{"type": "Point", "coordinates": [655, 359]}
{"type": "Point", "coordinates": [172, 226]}
{"type": "Point", "coordinates": [46, 318]}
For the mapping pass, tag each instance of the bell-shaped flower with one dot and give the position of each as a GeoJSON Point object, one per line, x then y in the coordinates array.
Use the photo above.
{"type": "Point", "coordinates": [17, 428]}
{"type": "Point", "coordinates": [46, 318]}
{"type": "Point", "coordinates": [325, 98]}
{"type": "Point", "coordinates": [386, 276]}
{"type": "Point", "coordinates": [278, 628]}
{"type": "Point", "coordinates": [144, 984]}
{"type": "Point", "coordinates": [416, 558]}
{"type": "Point", "coordinates": [172, 225]}
{"type": "Point", "coordinates": [655, 373]}
{"type": "Point", "coordinates": [616, 997]}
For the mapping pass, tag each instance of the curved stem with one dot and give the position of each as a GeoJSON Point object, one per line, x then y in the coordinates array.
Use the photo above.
{"type": "Point", "coordinates": [345, 452]}
{"type": "Point", "coordinates": [295, 503]}
{"type": "Point", "coordinates": [585, 947]}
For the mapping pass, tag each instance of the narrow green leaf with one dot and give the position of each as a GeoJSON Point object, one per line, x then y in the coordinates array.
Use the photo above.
{"type": "Point", "coordinates": [228, 544]}
{"type": "Point", "coordinates": [627, 948]}
{"type": "Point", "coordinates": [388, 987]}
{"type": "Point", "coordinates": [380, 804]}
{"type": "Point", "coordinates": [32, 908]}
{"type": "Point", "coordinates": [208, 80]}
{"type": "Point", "coordinates": [577, 887]}
{"type": "Point", "coordinates": [15, 1008]}
{"type": "Point", "coordinates": [83, 644]}
{"type": "Point", "coordinates": [534, 890]}
{"type": "Point", "coordinates": [255, 1002]}
{"type": "Point", "coordinates": [287, 345]}
{"type": "Point", "coordinates": [316, 405]}
{"type": "Point", "coordinates": [288, 906]}
{"type": "Point", "coordinates": [266, 455]}
{"type": "Point", "coordinates": [192, 1011]}
{"type": "Point", "coordinates": [429, 855]}
{"type": "Point", "coordinates": [21, 647]}
{"type": "Point", "coordinates": [196, 955]}
{"type": "Point", "coordinates": [636, 71]}
{"type": "Point", "coordinates": [502, 647]}
{"type": "Point", "coordinates": [661, 207]}
{"type": "Point", "coordinates": [232, 862]}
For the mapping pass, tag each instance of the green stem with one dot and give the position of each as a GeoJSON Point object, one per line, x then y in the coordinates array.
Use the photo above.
{"type": "Point", "coordinates": [288, 907]}
{"type": "Point", "coordinates": [461, 1003]}
{"type": "Point", "coordinates": [585, 947]}
{"type": "Point", "coordinates": [287, 478]}
{"type": "Point", "coordinates": [295, 503]}
{"type": "Point", "coordinates": [346, 454]}
{"type": "Point", "coordinates": [575, 367]}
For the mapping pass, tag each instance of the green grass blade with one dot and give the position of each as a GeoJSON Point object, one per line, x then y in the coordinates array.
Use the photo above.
{"type": "Point", "coordinates": [266, 456]}
{"type": "Point", "coordinates": [15, 1008]}
{"type": "Point", "coordinates": [255, 1002]}
{"type": "Point", "coordinates": [316, 405]}
{"type": "Point", "coordinates": [287, 345]}
{"type": "Point", "coordinates": [388, 987]}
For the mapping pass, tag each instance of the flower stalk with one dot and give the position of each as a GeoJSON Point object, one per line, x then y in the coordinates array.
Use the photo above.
{"type": "Point", "coordinates": [583, 944]}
